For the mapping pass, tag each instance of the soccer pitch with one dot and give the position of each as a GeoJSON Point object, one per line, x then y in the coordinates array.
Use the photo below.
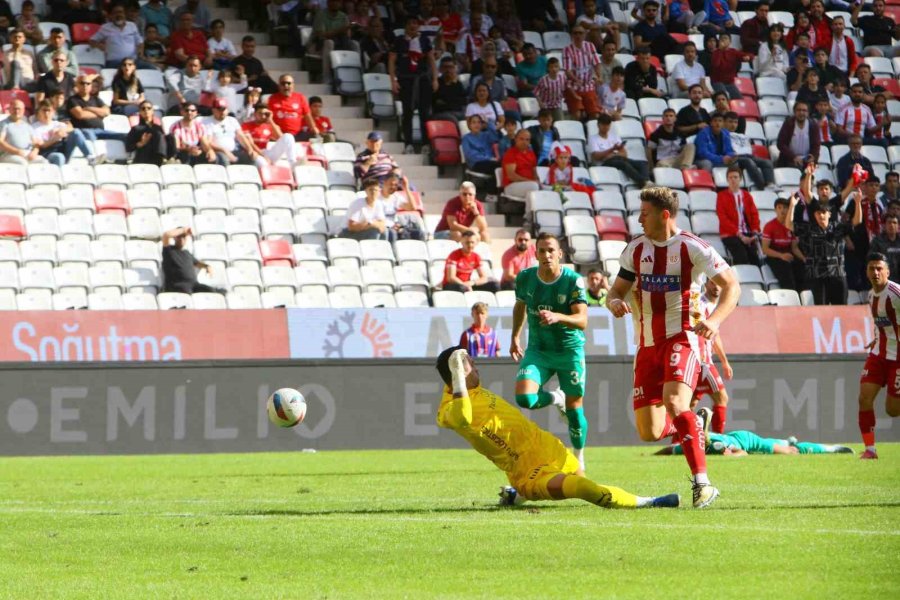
{"type": "Point", "coordinates": [424, 524]}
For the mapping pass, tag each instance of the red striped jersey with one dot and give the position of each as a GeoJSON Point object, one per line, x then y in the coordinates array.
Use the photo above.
{"type": "Point", "coordinates": [582, 61]}
{"type": "Point", "coordinates": [885, 305]}
{"type": "Point", "coordinates": [550, 92]}
{"type": "Point", "coordinates": [703, 306]}
{"type": "Point", "coordinates": [189, 135]}
{"type": "Point", "coordinates": [665, 274]}
{"type": "Point", "coordinates": [856, 119]}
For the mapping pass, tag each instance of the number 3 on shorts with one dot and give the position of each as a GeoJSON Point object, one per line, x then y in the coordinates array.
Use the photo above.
{"type": "Point", "coordinates": [576, 377]}
{"type": "Point", "coordinates": [673, 359]}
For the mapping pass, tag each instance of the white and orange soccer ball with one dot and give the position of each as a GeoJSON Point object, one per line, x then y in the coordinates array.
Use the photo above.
{"type": "Point", "coordinates": [286, 407]}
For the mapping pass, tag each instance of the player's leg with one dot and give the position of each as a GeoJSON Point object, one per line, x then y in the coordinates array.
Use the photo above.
{"type": "Point", "coordinates": [651, 419]}
{"type": "Point", "coordinates": [814, 448]}
{"type": "Point", "coordinates": [572, 382]}
{"type": "Point", "coordinates": [530, 380]}
{"type": "Point", "coordinates": [867, 393]}
{"type": "Point", "coordinates": [553, 485]}
{"type": "Point", "coordinates": [719, 397]}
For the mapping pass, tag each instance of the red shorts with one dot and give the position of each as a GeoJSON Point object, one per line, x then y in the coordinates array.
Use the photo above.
{"type": "Point", "coordinates": [710, 382]}
{"type": "Point", "coordinates": [882, 372]}
{"type": "Point", "coordinates": [586, 101]}
{"type": "Point", "coordinates": [675, 360]}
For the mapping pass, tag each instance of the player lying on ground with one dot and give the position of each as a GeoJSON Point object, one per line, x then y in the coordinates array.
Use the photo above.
{"type": "Point", "coordinates": [710, 382]}
{"type": "Point", "coordinates": [665, 266]}
{"type": "Point", "coordinates": [554, 301]}
{"type": "Point", "coordinates": [741, 443]}
{"type": "Point", "coordinates": [882, 368]}
{"type": "Point", "coordinates": [536, 463]}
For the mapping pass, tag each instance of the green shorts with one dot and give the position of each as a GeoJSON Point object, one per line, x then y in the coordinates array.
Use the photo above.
{"type": "Point", "coordinates": [568, 366]}
{"type": "Point", "coordinates": [755, 444]}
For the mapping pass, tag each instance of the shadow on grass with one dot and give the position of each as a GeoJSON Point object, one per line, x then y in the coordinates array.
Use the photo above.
{"type": "Point", "coordinates": [720, 506]}
{"type": "Point", "coordinates": [275, 512]}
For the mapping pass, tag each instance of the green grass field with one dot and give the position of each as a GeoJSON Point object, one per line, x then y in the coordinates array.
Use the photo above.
{"type": "Point", "coordinates": [424, 524]}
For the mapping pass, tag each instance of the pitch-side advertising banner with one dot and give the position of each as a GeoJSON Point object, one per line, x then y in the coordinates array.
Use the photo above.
{"type": "Point", "coordinates": [159, 335]}
{"type": "Point", "coordinates": [124, 409]}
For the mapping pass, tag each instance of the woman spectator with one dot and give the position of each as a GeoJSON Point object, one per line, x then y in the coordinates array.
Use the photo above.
{"type": "Point", "coordinates": [58, 140]}
{"type": "Point", "coordinates": [147, 139]}
{"type": "Point", "coordinates": [801, 25]}
{"type": "Point", "coordinates": [772, 60]}
{"type": "Point", "coordinates": [128, 92]}
{"type": "Point", "coordinates": [490, 112]}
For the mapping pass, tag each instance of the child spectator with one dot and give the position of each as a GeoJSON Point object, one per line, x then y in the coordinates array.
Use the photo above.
{"type": "Point", "coordinates": [550, 89]}
{"type": "Point", "coordinates": [222, 50]}
{"type": "Point", "coordinates": [480, 339]}
{"type": "Point", "coordinates": [612, 95]}
{"type": "Point", "coordinates": [561, 174]}
{"type": "Point", "coordinates": [323, 123]}
{"type": "Point", "coordinates": [223, 87]}
{"type": "Point", "coordinates": [823, 118]}
{"type": "Point", "coordinates": [244, 112]}
{"type": "Point", "coordinates": [479, 147]}
{"type": "Point", "coordinates": [30, 24]}
{"type": "Point", "coordinates": [502, 47]}
{"type": "Point", "coordinates": [882, 134]}
{"type": "Point", "coordinates": [838, 98]}
{"type": "Point", "coordinates": [802, 48]}
{"type": "Point", "coordinates": [726, 61]}
{"type": "Point", "coordinates": [153, 51]}
{"type": "Point", "coordinates": [510, 126]}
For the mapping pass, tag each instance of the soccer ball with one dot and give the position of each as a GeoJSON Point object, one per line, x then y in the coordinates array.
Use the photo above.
{"type": "Point", "coordinates": [286, 407]}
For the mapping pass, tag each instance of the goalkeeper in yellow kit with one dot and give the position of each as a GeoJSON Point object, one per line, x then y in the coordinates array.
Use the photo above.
{"type": "Point", "coordinates": [536, 463]}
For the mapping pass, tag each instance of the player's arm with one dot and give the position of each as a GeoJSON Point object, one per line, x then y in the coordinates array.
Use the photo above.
{"type": "Point", "coordinates": [728, 299]}
{"type": "Point", "coordinates": [615, 298]}
{"type": "Point", "coordinates": [515, 350]}
{"type": "Point", "coordinates": [459, 412]}
{"type": "Point", "coordinates": [576, 320]}
{"type": "Point", "coordinates": [719, 349]}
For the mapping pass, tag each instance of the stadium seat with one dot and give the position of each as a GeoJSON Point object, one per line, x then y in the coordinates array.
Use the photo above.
{"type": "Point", "coordinates": [347, 69]}
{"type": "Point", "coordinates": [139, 301]}
{"type": "Point", "coordinates": [705, 223]}
{"type": "Point", "coordinates": [442, 299]}
{"type": "Point", "coordinates": [344, 251]}
{"type": "Point", "coordinates": [773, 108]}
{"type": "Point", "coordinates": [311, 176]}
{"type": "Point", "coordinates": [607, 176]}
{"type": "Point", "coordinates": [109, 201]}
{"type": "Point", "coordinates": [668, 177]}
{"type": "Point", "coordinates": [107, 275]}
{"type": "Point", "coordinates": [276, 177]}
{"type": "Point", "coordinates": [770, 86]}
{"type": "Point", "coordinates": [379, 300]}
{"type": "Point", "coordinates": [214, 177]}
{"type": "Point", "coordinates": [105, 301]}
{"type": "Point", "coordinates": [379, 97]}
{"type": "Point", "coordinates": [378, 277]}
{"type": "Point", "coordinates": [35, 300]}
{"type": "Point", "coordinates": [784, 298]}
{"type": "Point", "coordinates": [42, 250]}
{"type": "Point", "coordinates": [279, 276]}
{"type": "Point", "coordinates": [72, 277]}
{"type": "Point", "coordinates": [444, 139]}
{"type": "Point", "coordinates": [143, 176]}
{"type": "Point", "coordinates": [577, 203]}
{"type": "Point", "coordinates": [312, 275]}
{"type": "Point", "coordinates": [39, 224]}
{"type": "Point", "coordinates": [243, 250]}
{"type": "Point", "coordinates": [745, 87]}
{"type": "Point", "coordinates": [178, 175]}
{"type": "Point", "coordinates": [698, 179]}
{"type": "Point", "coordinates": [582, 236]}
{"type": "Point", "coordinates": [411, 299]}
{"type": "Point", "coordinates": [377, 251]}
{"type": "Point", "coordinates": [345, 297]}
{"type": "Point", "coordinates": [11, 227]}
{"type": "Point", "coordinates": [283, 298]}
{"type": "Point", "coordinates": [746, 108]}
{"type": "Point", "coordinates": [82, 32]}
{"type": "Point", "coordinates": [345, 275]}
{"type": "Point", "coordinates": [340, 155]}
{"type": "Point", "coordinates": [412, 277]}
{"type": "Point", "coordinates": [607, 201]}
{"type": "Point", "coordinates": [44, 174]}
{"type": "Point", "coordinates": [208, 301]}
{"type": "Point", "coordinates": [70, 300]}
{"type": "Point", "coordinates": [611, 227]}
{"type": "Point", "coordinates": [47, 198]}
{"type": "Point", "coordinates": [547, 211]}
{"type": "Point", "coordinates": [750, 276]}
{"type": "Point", "coordinates": [753, 297]}
{"type": "Point", "coordinates": [610, 249]}
{"type": "Point", "coordinates": [174, 300]}
{"type": "Point", "coordinates": [276, 225]}
{"type": "Point", "coordinates": [277, 252]}
{"type": "Point", "coordinates": [243, 176]}
{"type": "Point", "coordinates": [7, 96]}
{"type": "Point", "coordinates": [338, 180]}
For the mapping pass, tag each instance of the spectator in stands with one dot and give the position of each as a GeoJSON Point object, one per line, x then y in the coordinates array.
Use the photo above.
{"type": "Point", "coordinates": [470, 46]}
{"type": "Point", "coordinates": [738, 220]}
{"type": "Point", "coordinates": [291, 109]}
{"type": "Point", "coordinates": [859, 240]}
{"type": "Point", "coordinates": [479, 147]}
{"type": "Point", "coordinates": [57, 141]}
{"type": "Point", "coordinates": [722, 104]}
{"type": "Point", "coordinates": [201, 17]}
{"type": "Point", "coordinates": [365, 219]}
{"type": "Point", "coordinates": [323, 123]}
{"type": "Point", "coordinates": [842, 51]}
{"type": "Point", "coordinates": [75, 11]}
{"type": "Point", "coordinates": [156, 13]}
{"type": "Point", "coordinates": [882, 134]}
{"type": "Point", "coordinates": [128, 92]}
{"type": "Point", "coordinates": [688, 73]}
{"type": "Point", "coordinates": [530, 69]}
{"type": "Point", "coordinates": [191, 138]}
{"type": "Point", "coordinates": [257, 76]}
{"type": "Point", "coordinates": [220, 48]}
{"type": "Point", "coordinates": [480, 339]}
{"type": "Point", "coordinates": [704, 57]}
{"type": "Point", "coordinates": [490, 78]}
{"type": "Point", "coordinates": [612, 95]}
{"type": "Point", "coordinates": [18, 142]}
{"type": "Point", "coordinates": [857, 119]}
{"type": "Point", "coordinates": [57, 43]}
{"type": "Point", "coordinates": [372, 162]}
{"type": "Point", "coordinates": [824, 194]}
{"type": "Point", "coordinates": [331, 31]}
{"type": "Point", "coordinates": [772, 59]}
{"type": "Point", "coordinates": [179, 265]}
{"type": "Point", "coordinates": [640, 76]}
{"type": "Point", "coordinates": [651, 31]}
{"type": "Point", "coordinates": [820, 24]}
{"type": "Point", "coordinates": [252, 98]}
{"type": "Point", "coordinates": [801, 26]}
{"type": "Point", "coordinates": [534, 15]}
{"type": "Point", "coordinates": [521, 255]}
{"type": "Point", "coordinates": [755, 31]}
{"type": "Point", "coordinates": [461, 214]}
{"type": "Point", "coordinates": [692, 118]}
{"type": "Point", "coordinates": [582, 68]}
{"type": "Point", "coordinates": [597, 287]}
{"type": "Point", "coordinates": [828, 74]}
{"type": "Point", "coordinates": [520, 167]}
{"type": "Point", "coordinates": [264, 141]}
{"type": "Point", "coordinates": [147, 140]}
{"type": "Point", "coordinates": [154, 51]}
{"type": "Point", "coordinates": [7, 19]}
{"type": "Point", "coordinates": [224, 133]}
{"type": "Point", "coordinates": [491, 111]}
{"type": "Point", "coordinates": [798, 139]}
{"type": "Point", "coordinates": [890, 191]}
{"type": "Point", "coordinates": [550, 89]}
{"type": "Point", "coordinates": [452, 24]}
{"type": "Point", "coordinates": [726, 62]}
{"type": "Point", "coordinates": [19, 64]}
{"type": "Point", "coordinates": [462, 264]}
{"type": "Point", "coordinates": [187, 43]}
{"type": "Point", "coordinates": [375, 47]}
{"type": "Point", "coordinates": [596, 24]}
{"type": "Point", "coordinates": [714, 150]}
{"type": "Point", "coordinates": [782, 249]}
{"type": "Point", "coordinates": [509, 24]}
{"type": "Point", "coordinates": [888, 243]}
{"type": "Point", "coordinates": [224, 86]}
{"type": "Point", "coordinates": [666, 147]}
{"type": "Point", "coordinates": [413, 76]}
{"type": "Point", "coordinates": [811, 90]}
{"type": "Point", "coordinates": [187, 85]}
{"type": "Point", "coordinates": [865, 79]}
{"type": "Point", "coordinates": [608, 150]}
{"type": "Point", "coordinates": [88, 111]}
{"type": "Point", "coordinates": [878, 30]}
{"type": "Point", "coordinates": [401, 211]}
{"type": "Point", "coordinates": [451, 96]}
{"type": "Point", "coordinates": [119, 39]}
{"type": "Point", "coordinates": [30, 24]}
{"type": "Point", "coordinates": [57, 78]}
{"type": "Point", "coordinates": [608, 60]}
{"type": "Point", "coordinates": [717, 18]}
{"type": "Point", "coordinates": [802, 47]}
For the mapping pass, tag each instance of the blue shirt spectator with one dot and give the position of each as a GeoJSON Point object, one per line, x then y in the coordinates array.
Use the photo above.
{"type": "Point", "coordinates": [713, 143]}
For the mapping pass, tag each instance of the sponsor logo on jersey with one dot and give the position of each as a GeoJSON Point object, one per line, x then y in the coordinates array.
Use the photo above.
{"type": "Point", "coordinates": [638, 392]}
{"type": "Point", "coordinates": [579, 283]}
{"type": "Point", "coordinates": [676, 348]}
{"type": "Point", "coordinates": [674, 259]}
{"type": "Point", "coordinates": [677, 373]}
{"type": "Point", "coordinates": [560, 298]}
{"type": "Point", "coordinates": [660, 283]}
{"type": "Point", "coordinates": [883, 322]}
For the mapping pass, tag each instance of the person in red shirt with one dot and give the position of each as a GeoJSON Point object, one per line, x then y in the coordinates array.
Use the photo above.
{"type": "Point", "coordinates": [782, 249]}
{"type": "Point", "coordinates": [462, 264]}
{"type": "Point", "coordinates": [726, 62]}
{"type": "Point", "coordinates": [461, 214]}
{"type": "Point", "coordinates": [187, 42]}
{"type": "Point", "coordinates": [520, 167]}
{"type": "Point", "coordinates": [290, 110]}
{"type": "Point", "coordinates": [451, 23]}
{"type": "Point", "coordinates": [265, 142]}
{"type": "Point", "coordinates": [521, 255]}
{"type": "Point", "coordinates": [326, 129]}
{"type": "Point", "coordinates": [738, 220]}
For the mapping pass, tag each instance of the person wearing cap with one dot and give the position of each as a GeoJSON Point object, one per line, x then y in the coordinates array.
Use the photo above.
{"type": "Point", "coordinates": [290, 109]}
{"type": "Point", "coordinates": [264, 141]}
{"type": "Point", "coordinates": [372, 162]}
{"type": "Point", "coordinates": [462, 213]}
{"type": "Point", "coordinates": [225, 136]}
{"type": "Point", "coordinates": [608, 150]}
{"type": "Point", "coordinates": [561, 174]}
{"type": "Point", "coordinates": [822, 243]}
{"type": "Point", "coordinates": [365, 218]}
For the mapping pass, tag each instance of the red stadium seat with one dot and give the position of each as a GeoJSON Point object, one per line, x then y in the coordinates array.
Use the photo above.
{"type": "Point", "coordinates": [7, 96]}
{"type": "Point", "coordinates": [760, 151]}
{"type": "Point", "coordinates": [444, 139]}
{"type": "Point", "coordinates": [651, 125]}
{"type": "Point", "coordinates": [82, 32]}
{"type": "Point", "coordinates": [305, 148]}
{"type": "Point", "coordinates": [11, 227]}
{"type": "Point", "coordinates": [110, 201]}
{"type": "Point", "coordinates": [659, 66]}
{"type": "Point", "coordinates": [891, 85]}
{"type": "Point", "coordinates": [681, 38]}
{"type": "Point", "coordinates": [277, 177]}
{"type": "Point", "coordinates": [745, 87]}
{"type": "Point", "coordinates": [697, 179]}
{"type": "Point", "coordinates": [277, 253]}
{"type": "Point", "coordinates": [611, 227]}
{"type": "Point", "coordinates": [746, 108]}
{"type": "Point", "coordinates": [510, 104]}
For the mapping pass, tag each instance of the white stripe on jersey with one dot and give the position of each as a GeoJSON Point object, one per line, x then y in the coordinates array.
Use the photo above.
{"type": "Point", "coordinates": [705, 307]}
{"type": "Point", "coordinates": [665, 274]}
{"type": "Point", "coordinates": [885, 306]}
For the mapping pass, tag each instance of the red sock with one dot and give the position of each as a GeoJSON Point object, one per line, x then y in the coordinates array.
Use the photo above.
{"type": "Point", "coordinates": [686, 424]}
{"type": "Point", "coordinates": [867, 426]}
{"type": "Point", "coordinates": [720, 412]}
{"type": "Point", "coordinates": [669, 429]}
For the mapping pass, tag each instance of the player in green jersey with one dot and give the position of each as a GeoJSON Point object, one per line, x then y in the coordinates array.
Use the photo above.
{"type": "Point", "coordinates": [742, 442]}
{"type": "Point", "coordinates": [554, 301]}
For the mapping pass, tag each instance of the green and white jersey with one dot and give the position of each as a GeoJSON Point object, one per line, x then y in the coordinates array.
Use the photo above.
{"type": "Point", "coordinates": [558, 296]}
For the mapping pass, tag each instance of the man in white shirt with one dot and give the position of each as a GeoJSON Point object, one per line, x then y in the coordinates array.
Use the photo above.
{"type": "Point", "coordinates": [119, 39]}
{"type": "Point", "coordinates": [224, 135]}
{"type": "Point", "coordinates": [365, 218]}
{"type": "Point", "coordinates": [689, 72]}
{"type": "Point", "coordinates": [401, 217]}
{"type": "Point", "coordinates": [608, 150]}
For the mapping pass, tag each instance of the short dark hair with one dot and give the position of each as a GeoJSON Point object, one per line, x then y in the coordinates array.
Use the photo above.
{"type": "Point", "coordinates": [552, 61]}
{"type": "Point", "coordinates": [782, 201]}
{"type": "Point", "coordinates": [651, 3]}
{"type": "Point", "coordinates": [716, 115]}
{"type": "Point", "coordinates": [696, 85]}
{"type": "Point", "coordinates": [691, 44]}
{"type": "Point", "coordinates": [731, 115]}
{"type": "Point", "coordinates": [525, 46]}
{"type": "Point", "coordinates": [669, 110]}
{"type": "Point", "coordinates": [546, 235]}
{"type": "Point", "coordinates": [57, 30]}
{"type": "Point", "coordinates": [734, 169]}
{"type": "Point", "coordinates": [618, 71]}
{"type": "Point", "coordinates": [146, 27]}
{"type": "Point", "coordinates": [661, 198]}
{"type": "Point", "coordinates": [824, 182]}
{"type": "Point", "coordinates": [891, 174]}
{"type": "Point", "coordinates": [467, 234]}
{"type": "Point", "coordinates": [443, 364]}
{"type": "Point", "coordinates": [873, 256]}
{"type": "Point", "coordinates": [604, 119]}
{"type": "Point", "coordinates": [803, 34]}
{"type": "Point", "coordinates": [247, 38]}
{"type": "Point", "coordinates": [315, 100]}
{"type": "Point", "coordinates": [370, 181]}
{"type": "Point", "coordinates": [217, 22]}
{"type": "Point", "coordinates": [643, 49]}
{"type": "Point", "coordinates": [545, 112]}
{"type": "Point", "coordinates": [720, 93]}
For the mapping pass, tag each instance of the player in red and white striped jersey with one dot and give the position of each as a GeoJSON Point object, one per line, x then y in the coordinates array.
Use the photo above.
{"type": "Point", "coordinates": [856, 118]}
{"type": "Point", "coordinates": [582, 66]}
{"type": "Point", "coordinates": [710, 381]}
{"type": "Point", "coordinates": [668, 264]}
{"type": "Point", "coordinates": [882, 368]}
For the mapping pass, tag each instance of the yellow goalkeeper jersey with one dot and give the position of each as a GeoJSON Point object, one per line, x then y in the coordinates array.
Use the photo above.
{"type": "Point", "coordinates": [498, 431]}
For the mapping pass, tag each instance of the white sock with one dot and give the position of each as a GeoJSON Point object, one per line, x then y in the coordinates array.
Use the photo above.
{"type": "Point", "coordinates": [701, 479]}
{"type": "Point", "coordinates": [643, 501]}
